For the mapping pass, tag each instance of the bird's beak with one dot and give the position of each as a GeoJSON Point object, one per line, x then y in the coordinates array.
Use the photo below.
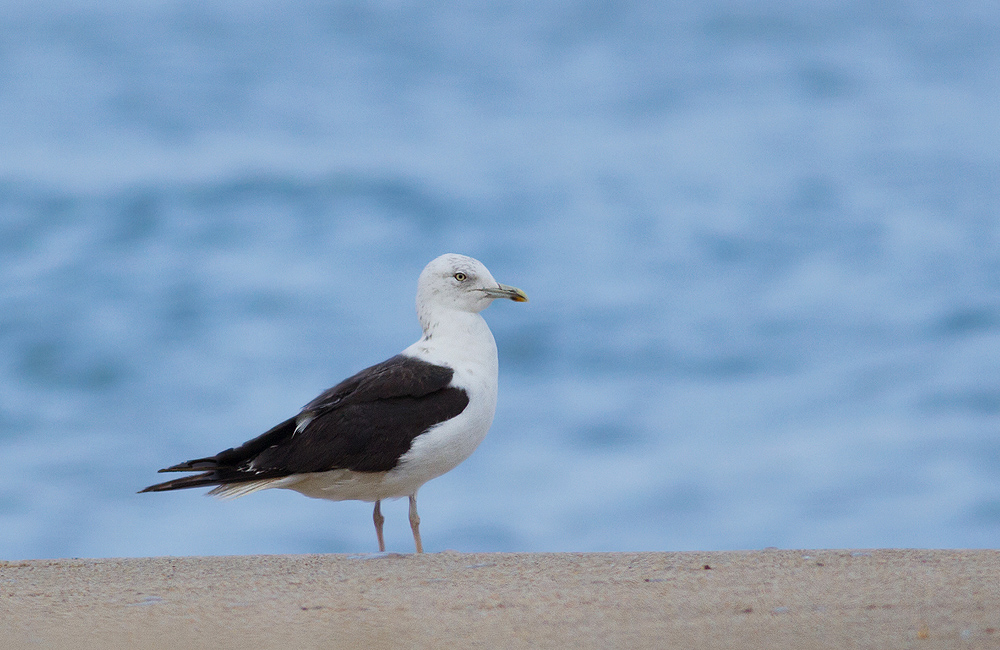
{"type": "Point", "coordinates": [503, 291]}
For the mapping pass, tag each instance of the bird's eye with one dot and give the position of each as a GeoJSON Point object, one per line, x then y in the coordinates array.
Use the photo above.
{"type": "Point", "coordinates": [461, 277]}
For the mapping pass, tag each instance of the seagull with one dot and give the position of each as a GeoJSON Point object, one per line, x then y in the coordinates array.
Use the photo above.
{"type": "Point", "coordinates": [387, 430]}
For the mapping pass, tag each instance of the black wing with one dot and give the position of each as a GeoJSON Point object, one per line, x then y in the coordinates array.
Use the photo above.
{"type": "Point", "coordinates": [364, 423]}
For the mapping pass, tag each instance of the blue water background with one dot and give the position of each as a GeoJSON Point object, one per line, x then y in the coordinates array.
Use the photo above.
{"type": "Point", "coordinates": [761, 241]}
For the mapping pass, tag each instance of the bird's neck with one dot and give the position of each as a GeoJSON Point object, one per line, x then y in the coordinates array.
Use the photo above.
{"type": "Point", "coordinates": [456, 335]}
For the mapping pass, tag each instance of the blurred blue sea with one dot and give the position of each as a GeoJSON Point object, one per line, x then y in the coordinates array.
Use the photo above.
{"type": "Point", "coordinates": [761, 241]}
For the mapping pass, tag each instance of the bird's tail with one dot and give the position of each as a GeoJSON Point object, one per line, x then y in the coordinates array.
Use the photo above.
{"type": "Point", "coordinates": [228, 479]}
{"type": "Point", "coordinates": [228, 483]}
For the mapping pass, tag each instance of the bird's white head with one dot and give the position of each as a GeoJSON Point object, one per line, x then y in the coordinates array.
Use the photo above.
{"type": "Point", "coordinates": [459, 283]}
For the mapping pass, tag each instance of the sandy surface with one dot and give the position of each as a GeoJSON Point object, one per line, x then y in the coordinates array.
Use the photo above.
{"type": "Point", "coordinates": [766, 599]}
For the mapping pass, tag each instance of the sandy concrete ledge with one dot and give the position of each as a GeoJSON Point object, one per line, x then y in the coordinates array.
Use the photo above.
{"type": "Point", "coordinates": [766, 599]}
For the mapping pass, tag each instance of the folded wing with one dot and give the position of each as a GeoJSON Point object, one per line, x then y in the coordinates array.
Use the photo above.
{"type": "Point", "coordinates": [364, 423]}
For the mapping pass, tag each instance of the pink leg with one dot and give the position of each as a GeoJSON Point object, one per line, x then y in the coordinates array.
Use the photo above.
{"type": "Point", "coordinates": [415, 523]}
{"type": "Point", "coordinates": [379, 520]}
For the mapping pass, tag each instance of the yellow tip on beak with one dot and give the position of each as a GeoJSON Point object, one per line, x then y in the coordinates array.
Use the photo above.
{"type": "Point", "coordinates": [504, 291]}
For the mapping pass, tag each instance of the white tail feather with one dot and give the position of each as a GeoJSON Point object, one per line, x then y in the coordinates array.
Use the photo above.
{"type": "Point", "coordinates": [234, 490]}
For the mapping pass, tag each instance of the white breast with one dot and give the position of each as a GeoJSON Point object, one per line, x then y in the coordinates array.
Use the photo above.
{"type": "Point", "coordinates": [468, 347]}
